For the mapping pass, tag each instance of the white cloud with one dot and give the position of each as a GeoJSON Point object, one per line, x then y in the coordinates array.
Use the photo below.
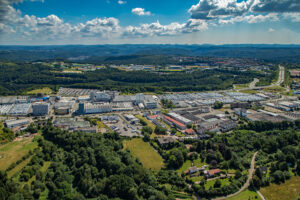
{"type": "Point", "coordinates": [140, 12]}
{"type": "Point", "coordinates": [121, 2]}
{"type": "Point", "coordinates": [271, 30]}
{"type": "Point", "coordinates": [212, 9]}
{"type": "Point", "coordinates": [251, 19]}
{"type": "Point", "coordinates": [294, 17]}
{"type": "Point", "coordinates": [156, 29]}
{"type": "Point", "coordinates": [276, 6]}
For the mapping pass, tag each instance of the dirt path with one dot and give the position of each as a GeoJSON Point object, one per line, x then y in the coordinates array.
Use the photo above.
{"type": "Point", "coordinates": [261, 196]}
{"type": "Point", "coordinates": [246, 185]}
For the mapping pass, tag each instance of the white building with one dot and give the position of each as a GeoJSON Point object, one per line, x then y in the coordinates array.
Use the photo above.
{"type": "Point", "coordinates": [101, 96]}
{"type": "Point", "coordinates": [40, 108]}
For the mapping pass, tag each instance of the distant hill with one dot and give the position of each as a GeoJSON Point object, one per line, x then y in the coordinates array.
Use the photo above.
{"type": "Point", "coordinates": [100, 53]}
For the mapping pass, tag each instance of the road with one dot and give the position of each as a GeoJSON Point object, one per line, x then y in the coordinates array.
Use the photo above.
{"type": "Point", "coordinates": [277, 83]}
{"type": "Point", "coordinates": [281, 76]}
{"type": "Point", "coordinates": [246, 185]}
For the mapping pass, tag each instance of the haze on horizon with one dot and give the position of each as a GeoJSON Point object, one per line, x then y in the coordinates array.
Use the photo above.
{"type": "Point", "coordinates": [56, 22]}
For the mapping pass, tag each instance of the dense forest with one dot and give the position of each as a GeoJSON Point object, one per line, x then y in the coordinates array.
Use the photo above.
{"type": "Point", "coordinates": [91, 165]}
{"type": "Point", "coordinates": [110, 53]}
{"type": "Point", "coordinates": [18, 78]}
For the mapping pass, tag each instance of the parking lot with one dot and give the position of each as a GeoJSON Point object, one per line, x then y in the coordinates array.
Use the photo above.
{"type": "Point", "coordinates": [125, 128]}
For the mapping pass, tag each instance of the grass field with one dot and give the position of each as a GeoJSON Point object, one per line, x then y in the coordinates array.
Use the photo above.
{"type": "Point", "coordinates": [13, 151]}
{"type": "Point", "coordinates": [44, 90]}
{"type": "Point", "coordinates": [20, 166]}
{"type": "Point", "coordinates": [224, 181]}
{"type": "Point", "coordinates": [249, 91]}
{"type": "Point", "coordinates": [241, 86]}
{"type": "Point", "coordinates": [145, 153]}
{"type": "Point", "coordinates": [187, 164]}
{"type": "Point", "coordinates": [183, 196]}
{"type": "Point", "coordinates": [288, 190]}
{"type": "Point", "coordinates": [246, 195]}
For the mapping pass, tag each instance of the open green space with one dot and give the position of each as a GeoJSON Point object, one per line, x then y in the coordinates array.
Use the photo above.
{"type": "Point", "coordinates": [246, 195]}
{"type": "Point", "coordinates": [45, 90]}
{"type": "Point", "coordinates": [188, 163]}
{"type": "Point", "coordinates": [288, 190]}
{"type": "Point", "coordinates": [224, 182]}
{"type": "Point", "coordinates": [13, 151]}
{"type": "Point", "coordinates": [17, 168]}
{"type": "Point", "coordinates": [183, 196]}
{"type": "Point", "coordinates": [149, 123]}
{"type": "Point", "coordinates": [145, 153]}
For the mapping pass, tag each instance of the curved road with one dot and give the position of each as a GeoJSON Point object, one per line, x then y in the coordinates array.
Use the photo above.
{"type": "Point", "coordinates": [246, 185]}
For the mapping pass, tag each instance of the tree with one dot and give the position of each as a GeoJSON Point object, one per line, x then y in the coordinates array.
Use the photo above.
{"type": "Point", "coordinates": [159, 130]}
{"type": "Point", "coordinates": [173, 131]}
{"type": "Point", "coordinates": [218, 105]}
{"type": "Point", "coordinates": [146, 137]}
{"type": "Point", "coordinates": [147, 129]}
{"type": "Point", "coordinates": [175, 158]}
{"type": "Point", "coordinates": [217, 183]}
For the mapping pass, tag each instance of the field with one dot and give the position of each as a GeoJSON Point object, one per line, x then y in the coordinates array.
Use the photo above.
{"type": "Point", "coordinates": [16, 169]}
{"type": "Point", "coordinates": [224, 181]}
{"type": "Point", "coordinates": [13, 151]}
{"type": "Point", "coordinates": [246, 195]}
{"type": "Point", "coordinates": [288, 190]}
{"type": "Point", "coordinates": [44, 90]}
{"type": "Point", "coordinates": [187, 164]}
{"type": "Point", "coordinates": [145, 153]}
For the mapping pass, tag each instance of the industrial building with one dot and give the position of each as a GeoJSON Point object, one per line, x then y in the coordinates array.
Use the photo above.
{"type": "Point", "coordinates": [20, 109]}
{"type": "Point", "coordinates": [40, 109]}
{"type": "Point", "coordinates": [16, 123]}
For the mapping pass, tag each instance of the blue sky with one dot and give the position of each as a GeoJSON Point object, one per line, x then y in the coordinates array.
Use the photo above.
{"type": "Point", "coordinates": [39, 22]}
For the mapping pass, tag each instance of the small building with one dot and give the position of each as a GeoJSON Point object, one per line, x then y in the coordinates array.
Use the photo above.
{"type": "Point", "coordinates": [189, 131]}
{"type": "Point", "coordinates": [240, 112]}
{"type": "Point", "coordinates": [165, 141]}
{"type": "Point", "coordinates": [212, 173]}
{"type": "Point", "coordinates": [152, 117]}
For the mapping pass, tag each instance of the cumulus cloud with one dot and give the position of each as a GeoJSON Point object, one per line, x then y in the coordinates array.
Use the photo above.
{"type": "Point", "coordinates": [156, 29]}
{"type": "Point", "coordinates": [5, 7]}
{"type": "Point", "coordinates": [140, 12]}
{"type": "Point", "coordinates": [294, 17]}
{"type": "Point", "coordinates": [251, 19]}
{"type": "Point", "coordinates": [276, 6]}
{"type": "Point", "coordinates": [121, 2]}
{"type": "Point", "coordinates": [98, 27]}
{"type": "Point", "coordinates": [212, 9]}
{"type": "Point", "coordinates": [271, 30]}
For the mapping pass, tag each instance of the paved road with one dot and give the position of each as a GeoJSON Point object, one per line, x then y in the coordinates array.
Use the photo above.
{"type": "Point", "coordinates": [246, 185]}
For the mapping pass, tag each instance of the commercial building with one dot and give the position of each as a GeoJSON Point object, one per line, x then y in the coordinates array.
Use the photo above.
{"type": "Point", "coordinates": [94, 108]}
{"type": "Point", "coordinates": [173, 122]}
{"type": "Point", "coordinates": [102, 96]}
{"type": "Point", "coordinates": [16, 123]}
{"type": "Point", "coordinates": [180, 118]}
{"type": "Point", "coordinates": [227, 125]}
{"type": "Point", "coordinates": [20, 109]}
{"type": "Point", "coordinates": [40, 109]}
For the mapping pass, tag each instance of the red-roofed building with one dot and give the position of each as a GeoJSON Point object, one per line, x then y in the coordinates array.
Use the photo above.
{"type": "Point", "coordinates": [212, 172]}
{"type": "Point", "coordinates": [152, 117]}
{"type": "Point", "coordinates": [173, 122]}
{"type": "Point", "coordinates": [189, 131]}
